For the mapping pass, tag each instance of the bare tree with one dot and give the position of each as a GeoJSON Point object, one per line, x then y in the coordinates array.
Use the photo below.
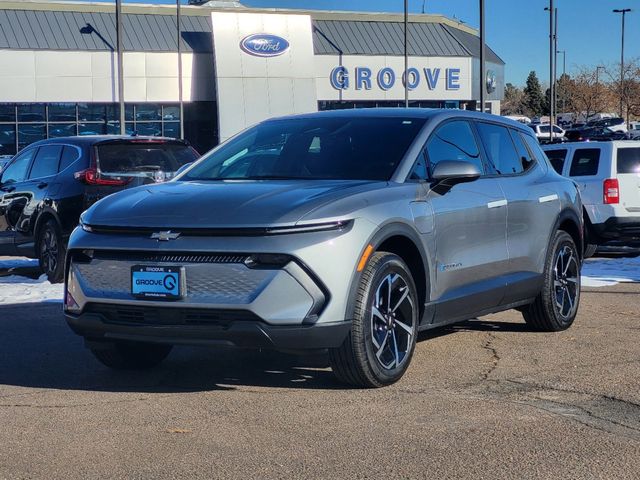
{"type": "Point", "coordinates": [629, 89]}
{"type": "Point", "coordinates": [586, 93]}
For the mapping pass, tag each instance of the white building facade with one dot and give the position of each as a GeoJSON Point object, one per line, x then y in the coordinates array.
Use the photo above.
{"type": "Point", "coordinates": [240, 66]}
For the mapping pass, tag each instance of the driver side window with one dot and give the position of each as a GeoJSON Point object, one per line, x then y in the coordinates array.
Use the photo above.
{"type": "Point", "coordinates": [17, 169]}
{"type": "Point", "coordinates": [453, 141]}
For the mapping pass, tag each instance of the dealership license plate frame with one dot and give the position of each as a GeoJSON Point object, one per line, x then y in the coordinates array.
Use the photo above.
{"type": "Point", "coordinates": [159, 273]}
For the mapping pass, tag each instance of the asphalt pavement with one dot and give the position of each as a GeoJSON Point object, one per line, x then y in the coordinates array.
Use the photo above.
{"type": "Point", "coordinates": [485, 399]}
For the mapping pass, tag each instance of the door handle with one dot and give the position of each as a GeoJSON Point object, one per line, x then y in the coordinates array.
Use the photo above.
{"type": "Point", "coordinates": [497, 204]}
{"type": "Point", "coordinates": [42, 185]}
{"type": "Point", "coordinates": [8, 189]}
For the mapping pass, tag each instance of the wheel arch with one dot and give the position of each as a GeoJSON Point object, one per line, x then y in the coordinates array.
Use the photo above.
{"type": "Point", "coordinates": [46, 214]}
{"type": "Point", "coordinates": [569, 221]}
{"type": "Point", "coordinates": [400, 239]}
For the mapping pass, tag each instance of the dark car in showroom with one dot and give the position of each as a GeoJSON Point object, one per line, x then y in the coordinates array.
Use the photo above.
{"type": "Point", "coordinates": [45, 188]}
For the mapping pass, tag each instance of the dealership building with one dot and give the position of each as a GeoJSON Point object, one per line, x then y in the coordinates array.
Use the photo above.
{"type": "Point", "coordinates": [240, 65]}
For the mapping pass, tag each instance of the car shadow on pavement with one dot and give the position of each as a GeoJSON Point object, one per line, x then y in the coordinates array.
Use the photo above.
{"type": "Point", "coordinates": [38, 350]}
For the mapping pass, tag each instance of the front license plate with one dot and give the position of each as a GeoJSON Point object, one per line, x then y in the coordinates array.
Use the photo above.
{"type": "Point", "coordinates": [157, 282]}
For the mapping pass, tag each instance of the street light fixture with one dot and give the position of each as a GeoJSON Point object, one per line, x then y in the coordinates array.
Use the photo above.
{"type": "Point", "coordinates": [623, 11]}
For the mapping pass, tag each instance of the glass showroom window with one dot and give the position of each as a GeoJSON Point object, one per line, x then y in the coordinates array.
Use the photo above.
{"type": "Point", "coordinates": [24, 123]}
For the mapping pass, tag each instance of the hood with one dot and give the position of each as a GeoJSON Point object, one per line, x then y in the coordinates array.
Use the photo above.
{"type": "Point", "coordinates": [221, 204]}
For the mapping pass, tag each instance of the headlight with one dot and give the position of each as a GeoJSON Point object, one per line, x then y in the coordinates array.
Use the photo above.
{"type": "Point", "coordinates": [83, 225]}
{"type": "Point", "coordinates": [317, 227]}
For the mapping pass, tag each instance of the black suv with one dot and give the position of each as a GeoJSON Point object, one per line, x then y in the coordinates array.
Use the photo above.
{"type": "Point", "coordinates": [45, 188]}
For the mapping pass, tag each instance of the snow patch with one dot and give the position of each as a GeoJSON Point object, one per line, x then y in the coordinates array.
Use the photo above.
{"type": "Point", "coordinates": [16, 289]}
{"type": "Point", "coordinates": [604, 272]}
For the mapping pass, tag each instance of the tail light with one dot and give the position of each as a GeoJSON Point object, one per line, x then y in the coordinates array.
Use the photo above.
{"type": "Point", "coordinates": [611, 190]}
{"type": "Point", "coordinates": [91, 176]}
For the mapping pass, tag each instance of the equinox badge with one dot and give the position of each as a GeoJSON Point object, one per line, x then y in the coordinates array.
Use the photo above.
{"type": "Point", "coordinates": [164, 236]}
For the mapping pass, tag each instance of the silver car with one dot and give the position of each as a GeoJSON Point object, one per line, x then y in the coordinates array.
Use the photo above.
{"type": "Point", "coordinates": [349, 231]}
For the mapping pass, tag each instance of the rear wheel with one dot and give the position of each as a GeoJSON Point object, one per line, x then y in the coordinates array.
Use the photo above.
{"type": "Point", "coordinates": [122, 355]}
{"type": "Point", "coordinates": [380, 345]}
{"type": "Point", "coordinates": [556, 306]}
{"type": "Point", "coordinates": [51, 251]}
{"type": "Point", "coordinates": [590, 250]}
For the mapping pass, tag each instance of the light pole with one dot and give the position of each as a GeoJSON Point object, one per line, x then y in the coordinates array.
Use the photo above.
{"type": "Point", "coordinates": [483, 73]}
{"type": "Point", "coordinates": [552, 72]}
{"type": "Point", "coordinates": [564, 72]}
{"type": "Point", "coordinates": [179, 38]}
{"type": "Point", "coordinates": [598, 68]}
{"type": "Point", "coordinates": [406, 54]}
{"type": "Point", "coordinates": [119, 35]}
{"type": "Point", "coordinates": [623, 11]}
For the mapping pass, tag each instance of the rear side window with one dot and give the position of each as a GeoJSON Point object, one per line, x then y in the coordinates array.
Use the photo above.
{"type": "Point", "coordinates": [585, 162]}
{"type": "Point", "coordinates": [557, 158]}
{"type": "Point", "coordinates": [454, 141]}
{"type": "Point", "coordinates": [131, 158]}
{"type": "Point", "coordinates": [526, 160]}
{"type": "Point", "coordinates": [46, 161]}
{"type": "Point", "coordinates": [69, 155]}
{"type": "Point", "coordinates": [500, 149]}
{"type": "Point", "coordinates": [629, 160]}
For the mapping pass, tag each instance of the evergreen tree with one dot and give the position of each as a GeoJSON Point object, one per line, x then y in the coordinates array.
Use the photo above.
{"type": "Point", "coordinates": [533, 97]}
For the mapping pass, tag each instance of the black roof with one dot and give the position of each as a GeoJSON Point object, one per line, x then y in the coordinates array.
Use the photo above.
{"type": "Point", "coordinates": [89, 140]}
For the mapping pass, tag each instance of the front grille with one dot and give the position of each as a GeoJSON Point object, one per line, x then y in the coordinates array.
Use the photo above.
{"type": "Point", "coordinates": [168, 316]}
{"type": "Point", "coordinates": [170, 257]}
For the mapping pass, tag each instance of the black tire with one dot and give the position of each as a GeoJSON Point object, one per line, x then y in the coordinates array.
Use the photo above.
{"type": "Point", "coordinates": [51, 251]}
{"type": "Point", "coordinates": [590, 250]}
{"type": "Point", "coordinates": [366, 358]}
{"type": "Point", "coordinates": [556, 306]}
{"type": "Point", "coordinates": [122, 355]}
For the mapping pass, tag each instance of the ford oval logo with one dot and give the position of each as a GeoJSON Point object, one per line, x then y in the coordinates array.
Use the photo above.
{"type": "Point", "coordinates": [264, 45]}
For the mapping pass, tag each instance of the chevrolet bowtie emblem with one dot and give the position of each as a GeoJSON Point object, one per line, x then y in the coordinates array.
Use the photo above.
{"type": "Point", "coordinates": [164, 236]}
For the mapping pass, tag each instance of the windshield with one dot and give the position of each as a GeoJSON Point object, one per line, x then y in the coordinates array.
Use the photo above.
{"type": "Point", "coordinates": [141, 158]}
{"type": "Point", "coordinates": [312, 148]}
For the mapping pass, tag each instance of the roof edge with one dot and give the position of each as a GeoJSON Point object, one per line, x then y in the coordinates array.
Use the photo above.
{"type": "Point", "coordinates": [204, 10]}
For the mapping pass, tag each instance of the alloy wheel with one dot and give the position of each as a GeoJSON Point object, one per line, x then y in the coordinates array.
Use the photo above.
{"type": "Point", "coordinates": [566, 282]}
{"type": "Point", "coordinates": [49, 251]}
{"type": "Point", "coordinates": [392, 328]}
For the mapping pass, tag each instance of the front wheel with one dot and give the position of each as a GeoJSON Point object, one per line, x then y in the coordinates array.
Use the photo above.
{"type": "Point", "coordinates": [380, 345]}
{"type": "Point", "coordinates": [556, 306]}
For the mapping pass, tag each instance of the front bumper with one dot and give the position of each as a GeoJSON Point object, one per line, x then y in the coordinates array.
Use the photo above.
{"type": "Point", "coordinates": [99, 324]}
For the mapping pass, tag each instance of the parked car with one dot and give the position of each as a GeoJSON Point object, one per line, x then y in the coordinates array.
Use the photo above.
{"type": "Point", "coordinates": [543, 134]}
{"type": "Point", "coordinates": [594, 134]}
{"type": "Point", "coordinates": [347, 230]}
{"type": "Point", "coordinates": [608, 176]}
{"type": "Point", "coordinates": [615, 124]}
{"type": "Point", "coordinates": [46, 187]}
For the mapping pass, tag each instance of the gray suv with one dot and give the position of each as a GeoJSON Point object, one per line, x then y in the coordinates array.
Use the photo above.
{"type": "Point", "coordinates": [349, 231]}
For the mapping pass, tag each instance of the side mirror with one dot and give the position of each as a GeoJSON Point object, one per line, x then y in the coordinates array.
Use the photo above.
{"type": "Point", "coordinates": [455, 171]}
{"type": "Point", "coordinates": [448, 173]}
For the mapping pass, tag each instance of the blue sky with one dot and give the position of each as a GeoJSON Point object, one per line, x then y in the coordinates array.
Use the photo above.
{"type": "Point", "coordinates": [517, 29]}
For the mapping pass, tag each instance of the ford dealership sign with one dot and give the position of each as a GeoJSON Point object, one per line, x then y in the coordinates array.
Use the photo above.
{"type": "Point", "coordinates": [264, 45]}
